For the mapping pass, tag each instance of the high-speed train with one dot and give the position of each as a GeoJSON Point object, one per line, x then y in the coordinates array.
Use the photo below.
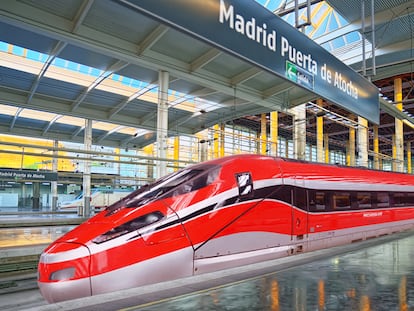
{"type": "Point", "coordinates": [224, 213]}
{"type": "Point", "coordinates": [99, 198]}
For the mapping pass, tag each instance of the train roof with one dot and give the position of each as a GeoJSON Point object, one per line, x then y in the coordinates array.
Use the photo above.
{"type": "Point", "coordinates": [307, 170]}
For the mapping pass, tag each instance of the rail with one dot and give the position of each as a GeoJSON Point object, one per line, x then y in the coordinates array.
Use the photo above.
{"type": "Point", "coordinates": [18, 273]}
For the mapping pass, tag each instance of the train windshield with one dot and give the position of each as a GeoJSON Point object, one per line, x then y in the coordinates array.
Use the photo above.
{"type": "Point", "coordinates": [180, 182]}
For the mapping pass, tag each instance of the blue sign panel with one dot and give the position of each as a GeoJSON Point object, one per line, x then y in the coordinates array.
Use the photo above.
{"type": "Point", "coordinates": [247, 30]}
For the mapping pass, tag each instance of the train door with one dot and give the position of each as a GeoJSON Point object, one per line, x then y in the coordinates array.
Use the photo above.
{"type": "Point", "coordinates": [299, 218]}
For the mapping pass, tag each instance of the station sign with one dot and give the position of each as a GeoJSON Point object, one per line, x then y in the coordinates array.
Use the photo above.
{"type": "Point", "coordinates": [22, 175]}
{"type": "Point", "coordinates": [247, 30]}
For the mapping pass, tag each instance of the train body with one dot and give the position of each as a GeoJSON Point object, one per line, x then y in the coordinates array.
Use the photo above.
{"type": "Point", "coordinates": [224, 213]}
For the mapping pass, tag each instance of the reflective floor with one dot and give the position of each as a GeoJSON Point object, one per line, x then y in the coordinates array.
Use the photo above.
{"type": "Point", "coordinates": [376, 278]}
{"type": "Point", "coordinates": [31, 236]}
{"type": "Point", "coordinates": [19, 229]}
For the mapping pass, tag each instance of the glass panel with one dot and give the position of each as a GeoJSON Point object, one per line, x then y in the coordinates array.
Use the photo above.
{"type": "Point", "coordinates": [410, 199]}
{"type": "Point", "coordinates": [317, 201]}
{"type": "Point", "coordinates": [383, 199]}
{"type": "Point", "coordinates": [364, 199]}
{"type": "Point", "coordinates": [178, 183]}
{"type": "Point", "coordinates": [398, 199]}
{"type": "Point", "coordinates": [341, 200]}
{"type": "Point", "coordinates": [129, 226]}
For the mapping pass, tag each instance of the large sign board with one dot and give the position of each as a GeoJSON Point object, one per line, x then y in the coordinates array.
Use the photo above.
{"type": "Point", "coordinates": [22, 175]}
{"type": "Point", "coordinates": [246, 29]}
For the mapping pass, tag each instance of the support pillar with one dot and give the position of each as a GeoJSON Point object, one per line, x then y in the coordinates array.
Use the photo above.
{"type": "Point", "coordinates": [24, 202]}
{"type": "Point", "coordinates": [394, 153]}
{"type": "Point", "coordinates": [398, 164]}
{"type": "Point", "coordinates": [149, 151]}
{"type": "Point", "coordinates": [274, 127]}
{"type": "Point", "coordinates": [203, 151]}
{"type": "Point", "coordinates": [263, 134]}
{"type": "Point", "coordinates": [222, 138]}
{"type": "Point", "coordinates": [36, 196]}
{"type": "Point", "coordinates": [203, 142]}
{"type": "Point", "coordinates": [376, 148]}
{"type": "Point", "coordinates": [320, 150]}
{"type": "Point", "coordinates": [286, 148]}
{"type": "Point", "coordinates": [351, 148]}
{"type": "Point", "coordinates": [362, 142]}
{"type": "Point", "coordinates": [326, 147]}
{"type": "Point", "coordinates": [320, 156]}
{"type": "Point", "coordinates": [53, 184]}
{"type": "Point", "coordinates": [409, 165]}
{"type": "Point", "coordinates": [299, 132]}
{"type": "Point", "coordinates": [86, 210]}
{"type": "Point", "coordinates": [162, 122]}
{"type": "Point", "coordinates": [176, 152]}
{"type": "Point", "coordinates": [216, 141]}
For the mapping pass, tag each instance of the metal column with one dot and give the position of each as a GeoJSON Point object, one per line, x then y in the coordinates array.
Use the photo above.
{"type": "Point", "coordinates": [162, 122]}
{"type": "Point", "coordinates": [320, 157]}
{"type": "Point", "coordinates": [86, 210]}
{"type": "Point", "coordinates": [263, 134]}
{"type": "Point", "coordinates": [398, 164]}
{"type": "Point", "coordinates": [203, 143]}
{"type": "Point", "coordinates": [222, 139]}
{"type": "Point", "coordinates": [299, 131]}
{"type": "Point", "coordinates": [326, 147]}
{"type": "Point", "coordinates": [176, 151]}
{"type": "Point", "coordinates": [36, 196]}
{"type": "Point", "coordinates": [351, 148]}
{"type": "Point", "coordinates": [274, 126]}
{"type": "Point", "coordinates": [216, 135]}
{"type": "Point", "coordinates": [55, 170]}
{"type": "Point", "coordinates": [149, 151]}
{"type": "Point", "coordinates": [362, 142]}
{"type": "Point", "coordinates": [376, 148]}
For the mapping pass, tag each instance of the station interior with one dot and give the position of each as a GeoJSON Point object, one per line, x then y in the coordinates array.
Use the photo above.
{"type": "Point", "coordinates": [98, 99]}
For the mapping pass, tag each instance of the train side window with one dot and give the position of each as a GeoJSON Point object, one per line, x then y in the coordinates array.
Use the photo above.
{"type": "Point", "coordinates": [364, 200]}
{"type": "Point", "coordinates": [382, 199]}
{"type": "Point", "coordinates": [317, 201]}
{"type": "Point", "coordinates": [410, 199]}
{"type": "Point", "coordinates": [398, 199]}
{"type": "Point", "coordinates": [341, 200]}
{"type": "Point", "coordinates": [300, 198]}
{"type": "Point", "coordinates": [130, 226]}
{"type": "Point", "coordinates": [245, 185]}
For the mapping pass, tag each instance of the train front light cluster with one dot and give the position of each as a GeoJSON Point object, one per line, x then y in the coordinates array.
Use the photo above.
{"type": "Point", "coordinates": [63, 274]}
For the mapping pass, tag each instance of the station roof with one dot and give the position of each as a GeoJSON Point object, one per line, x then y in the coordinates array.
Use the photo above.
{"type": "Point", "coordinates": [64, 61]}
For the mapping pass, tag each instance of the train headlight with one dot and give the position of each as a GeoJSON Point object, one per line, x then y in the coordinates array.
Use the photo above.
{"type": "Point", "coordinates": [63, 274]}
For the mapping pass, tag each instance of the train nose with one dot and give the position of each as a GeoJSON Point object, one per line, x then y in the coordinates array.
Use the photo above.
{"type": "Point", "coordinates": [63, 272]}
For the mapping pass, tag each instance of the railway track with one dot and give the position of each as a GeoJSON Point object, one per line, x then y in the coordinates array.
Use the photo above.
{"type": "Point", "coordinates": [18, 273]}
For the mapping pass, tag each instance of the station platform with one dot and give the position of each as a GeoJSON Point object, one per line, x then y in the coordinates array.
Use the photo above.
{"type": "Point", "coordinates": [34, 229]}
{"type": "Point", "coordinates": [23, 237]}
{"type": "Point", "coordinates": [377, 274]}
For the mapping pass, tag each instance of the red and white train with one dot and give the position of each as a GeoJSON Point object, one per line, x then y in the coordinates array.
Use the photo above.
{"type": "Point", "coordinates": [224, 213]}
